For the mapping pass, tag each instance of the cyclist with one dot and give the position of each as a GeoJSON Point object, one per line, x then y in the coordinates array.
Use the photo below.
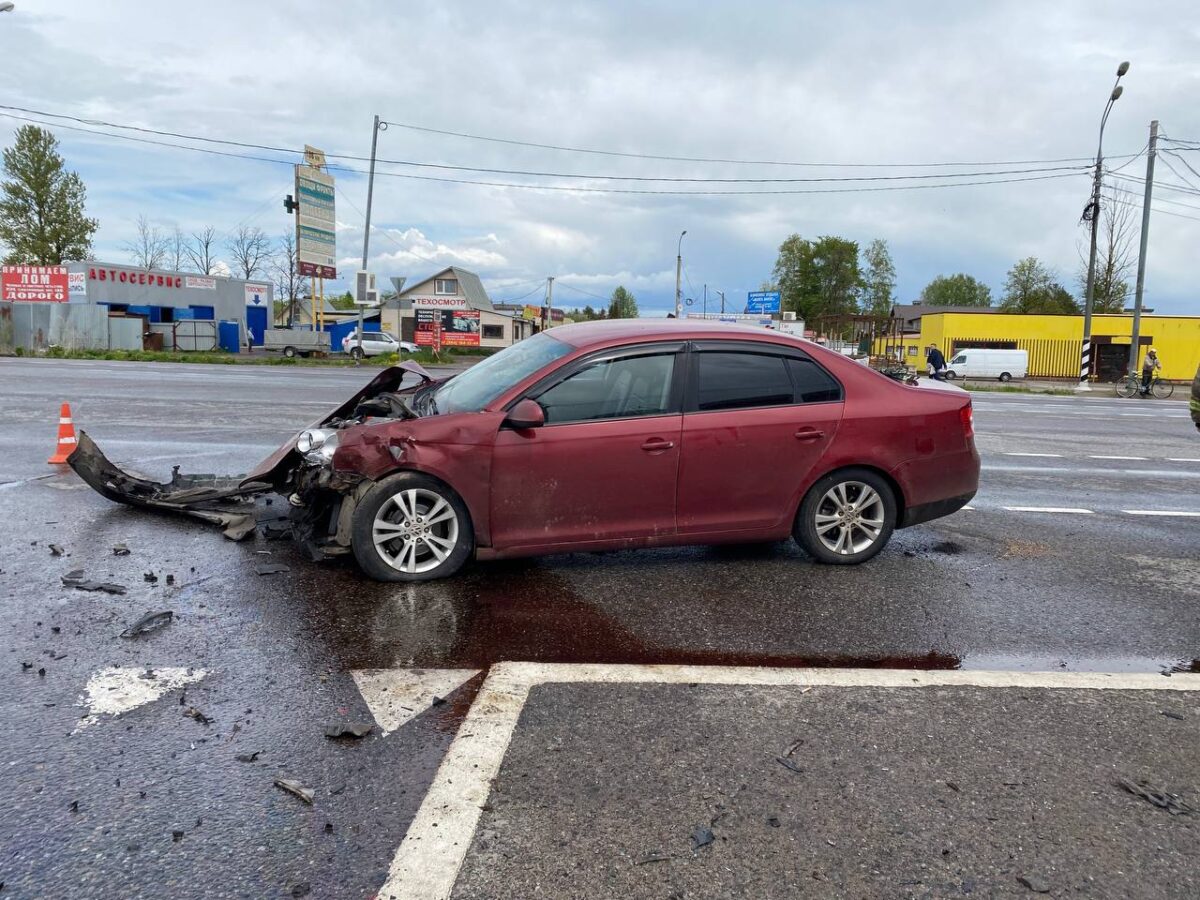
{"type": "Point", "coordinates": [1150, 365]}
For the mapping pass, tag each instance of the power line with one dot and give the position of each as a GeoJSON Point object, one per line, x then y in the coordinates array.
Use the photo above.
{"type": "Point", "coordinates": [570, 188]}
{"type": "Point", "coordinates": [1156, 199]}
{"type": "Point", "coordinates": [1160, 184]}
{"type": "Point", "coordinates": [1165, 212]}
{"type": "Point", "coordinates": [523, 296]}
{"type": "Point", "coordinates": [1182, 160]}
{"type": "Point", "coordinates": [1175, 172]}
{"type": "Point", "coordinates": [740, 162]}
{"type": "Point", "coordinates": [571, 287]}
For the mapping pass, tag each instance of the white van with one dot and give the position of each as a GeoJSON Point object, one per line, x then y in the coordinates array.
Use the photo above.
{"type": "Point", "coordinates": [980, 362]}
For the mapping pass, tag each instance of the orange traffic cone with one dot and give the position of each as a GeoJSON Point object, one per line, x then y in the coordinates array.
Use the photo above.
{"type": "Point", "coordinates": [66, 437]}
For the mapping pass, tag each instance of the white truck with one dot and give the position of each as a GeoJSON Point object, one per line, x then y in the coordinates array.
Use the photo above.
{"type": "Point", "coordinates": [984, 362]}
{"type": "Point", "coordinates": [292, 342]}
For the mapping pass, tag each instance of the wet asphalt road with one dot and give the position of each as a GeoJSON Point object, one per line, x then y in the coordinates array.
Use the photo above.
{"type": "Point", "coordinates": [163, 807]}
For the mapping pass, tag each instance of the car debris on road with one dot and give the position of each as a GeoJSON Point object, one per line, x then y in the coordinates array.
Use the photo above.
{"type": "Point", "coordinates": [151, 621]}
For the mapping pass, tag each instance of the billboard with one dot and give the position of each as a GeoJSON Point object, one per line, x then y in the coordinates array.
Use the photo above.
{"type": "Point", "coordinates": [41, 284]}
{"type": "Point", "coordinates": [762, 302]}
{"type": "Point", "coordinates": [446, 327]}
{"type": "Point", "coordinates": [316, 225]}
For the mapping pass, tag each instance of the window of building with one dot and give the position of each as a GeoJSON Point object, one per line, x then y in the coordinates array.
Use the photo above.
{"type": "Point", "coordinates": [493, 331]}
{"type": "Point", "coordinates": [740, 381]}
{"type": "Point", "coordinates": [813, 384]}
{"type": "Point", "coordinates": [613, 389]}
{"type": "Point", "coordinates": [445, 286]}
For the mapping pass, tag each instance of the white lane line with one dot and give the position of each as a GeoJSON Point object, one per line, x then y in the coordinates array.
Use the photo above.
{"type": "Point", "coordinates": [1047, 455]}
{"type": "Point", "coordinates": [1171, 474]}
{"type": "Point", "coordinates": [1139, 458]}
{"type": "Point", "coordinates": [1183, 459]}
{"type": "Point", "coordinates": [1049, 509]}
{"type": "Point", "coordinates": [428, 862]}
{"type": "Point", "coordinates": [116, 690]}
{"type": "Point", "coordinates": [1162, 512]}
{"type": "Point", "coordinates": [396, 695]}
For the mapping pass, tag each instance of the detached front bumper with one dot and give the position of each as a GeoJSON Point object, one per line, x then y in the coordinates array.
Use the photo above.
{"type": "Point", "coordinates": [226, 501]}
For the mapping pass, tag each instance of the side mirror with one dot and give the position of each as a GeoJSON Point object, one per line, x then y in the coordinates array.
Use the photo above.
{"type": "Point", "coordinates": [526, 414]}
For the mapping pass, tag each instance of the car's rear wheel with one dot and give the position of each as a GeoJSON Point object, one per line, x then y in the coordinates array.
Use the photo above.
{"type": "Point", "coordinates": [289, 352]}
{"type": "Point", "coordinates": [410, 527]}
{"type": "Point", "coordinates": [356, 353]}
{"type": "Point", "coordinates": [846, 517]}
{"type": "Point", "coordinates": [1005, 376]}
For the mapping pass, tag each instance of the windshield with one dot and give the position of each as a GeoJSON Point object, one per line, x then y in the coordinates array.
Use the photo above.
{"type": "Point", "coordinates": [484, 382]}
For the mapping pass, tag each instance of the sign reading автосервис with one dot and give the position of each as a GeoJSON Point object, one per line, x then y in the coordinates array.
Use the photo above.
{"type": "Point", "coordinates": [39, 284]}
{"type": "Point", "coordinates": [316, 224]}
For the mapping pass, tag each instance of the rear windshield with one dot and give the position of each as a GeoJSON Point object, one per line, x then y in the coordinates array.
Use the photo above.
{"type": "Point", "coordinates": [484, 382]}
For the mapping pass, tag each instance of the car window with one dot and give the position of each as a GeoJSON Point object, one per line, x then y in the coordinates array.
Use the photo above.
{"type": "Point", "coordinates": [621, 388]}
{"type": "Point", "coordinates": [485, 381]}
{"type": "Point", "coordinates": [813, 384]}
{"type": "Point", "coordinates": [958, 360]}
{"type": "Point", "coordinates": [731, 380]}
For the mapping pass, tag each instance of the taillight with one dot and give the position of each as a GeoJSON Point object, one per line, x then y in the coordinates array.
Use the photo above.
{"type": "Point", "coordinates": [968, 423]}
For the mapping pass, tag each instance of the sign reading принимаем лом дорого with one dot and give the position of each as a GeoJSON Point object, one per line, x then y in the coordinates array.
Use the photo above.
{"type": "Point", "coordinates": [36, 284]}
{"type": "Point", "coordinates": [762, 302]}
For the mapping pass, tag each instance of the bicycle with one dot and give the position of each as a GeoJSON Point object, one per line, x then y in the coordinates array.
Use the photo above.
{"type": "Point", "coordinates": [1131, 386]}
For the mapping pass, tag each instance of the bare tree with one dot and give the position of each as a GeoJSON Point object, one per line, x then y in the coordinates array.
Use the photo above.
{"type": "Point", "coordinates": [149, 247]}
{"type": "Point", "coordinates": [177, 256]}
{"type": "Point", "coordinates": [201, 250]}
{"type": "Point", "coordinates": [1114, 255]}
{"type": "Point", "coordinates": [289, 283]}
{"type": "Point", "coordinates": [250, 249]}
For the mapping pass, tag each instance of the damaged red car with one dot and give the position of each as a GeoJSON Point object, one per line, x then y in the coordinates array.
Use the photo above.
{"type": "Point", "coordinates": [600, 436]}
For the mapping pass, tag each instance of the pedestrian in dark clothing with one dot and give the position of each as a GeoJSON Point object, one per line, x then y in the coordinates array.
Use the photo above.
{"type": "Point", "coordinates": [937, 363]}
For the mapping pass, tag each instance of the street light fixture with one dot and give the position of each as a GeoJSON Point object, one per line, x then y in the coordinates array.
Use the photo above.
{"type": "Point", "coordinates": [678, 272]}
{"type": "Point", "coordinates": [1092, 213]}
{"type": "Point", "coordinates": [7, 7]}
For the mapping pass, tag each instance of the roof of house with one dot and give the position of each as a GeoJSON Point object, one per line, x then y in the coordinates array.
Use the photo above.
{"type": "Point", "coordinates": [470, 287]}
{"type": "Point", "coordinates": [911, 312]}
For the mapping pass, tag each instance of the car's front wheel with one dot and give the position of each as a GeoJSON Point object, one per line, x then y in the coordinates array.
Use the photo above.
{"type": "Point", "coordinates": [410, 527]}
{"type": "Point", "coordinates": [846, 517]}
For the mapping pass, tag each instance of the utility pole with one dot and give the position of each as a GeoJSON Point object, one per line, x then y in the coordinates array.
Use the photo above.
{"type": "Point", "coordinates": [706, 301]}
{"type": "Point", "coordinates": [367, 226]}
{"type": "Point", "coordinates": [721, 294]}
{"type": "Point", "coordinates": [1141, 270]}
{"type": "Point", "coordinates": [1093, 210]}
{"type": "Point", "coordinates": [678, 272]}
{"type": "Point", "coordinates": [549, 302]}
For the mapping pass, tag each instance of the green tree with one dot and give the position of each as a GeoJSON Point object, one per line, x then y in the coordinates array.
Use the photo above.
{"type": "Point", "coordinates": [623, 305]}
{"type": "Point", "coordinates": [41, 203]}
{"type": "Point", "coordinates": [344, 301]}
{"type": "Point", "coordinates": [956, 290]}
{"type": "Point", "coordinates": [818, 278]}
{"type": "Point", "coordinates": [879, 279]}
{"type": "Point", "coordinates": [1115, 257]}
{"type": "Point", "coordinates": [1030, 288]}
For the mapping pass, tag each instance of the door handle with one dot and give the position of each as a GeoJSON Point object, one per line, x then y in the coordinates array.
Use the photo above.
{"type": "Point", "coordinates": [654, 444]}
{"type": "Point", "coordinates": [809, 434]}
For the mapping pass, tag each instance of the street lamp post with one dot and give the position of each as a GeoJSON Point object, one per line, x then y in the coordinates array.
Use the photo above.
{"type": "Point", "coordinates": [1093, 211]}
{"type": "Point", "coordinates": [678, 272]}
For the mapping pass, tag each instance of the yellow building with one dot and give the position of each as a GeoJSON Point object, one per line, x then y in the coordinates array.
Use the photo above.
{"type": "Point", "coordinates": [1054, 342]}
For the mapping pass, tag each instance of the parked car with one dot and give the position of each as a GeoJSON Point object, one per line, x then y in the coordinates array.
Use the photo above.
{"type": "Point", "coordinates": [601, 436]}
{"type": "Point", "coordinates": [375, 343]}
{"type": "Point", "coordinates": [984, 362]}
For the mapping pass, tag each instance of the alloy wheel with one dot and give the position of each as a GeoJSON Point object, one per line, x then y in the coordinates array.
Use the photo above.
{"type": "Point", "coordinates": [415, 530]}
{"type": "Point", "coordinates": [850, 517]}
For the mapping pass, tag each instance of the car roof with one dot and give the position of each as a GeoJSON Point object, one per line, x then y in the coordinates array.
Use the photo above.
{"type": "Point", "coordinates": [585, 335]}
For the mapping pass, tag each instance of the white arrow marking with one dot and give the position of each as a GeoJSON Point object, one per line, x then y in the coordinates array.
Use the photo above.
{"type": "Point", "coordinates": [396, 695]}
{"type": "Point", "coordinates": [116, 690]}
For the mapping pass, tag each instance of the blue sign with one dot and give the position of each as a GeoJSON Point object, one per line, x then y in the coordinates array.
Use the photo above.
{"type": "Point", "coordinates": [762, 302]}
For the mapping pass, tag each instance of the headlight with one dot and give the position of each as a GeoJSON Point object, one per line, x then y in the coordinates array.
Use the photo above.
{"type": "Point", "coordinates": [317, 444]}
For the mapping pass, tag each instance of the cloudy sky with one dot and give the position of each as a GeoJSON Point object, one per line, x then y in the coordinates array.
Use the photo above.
{"type": "Point", "coordinates": [996, 87]}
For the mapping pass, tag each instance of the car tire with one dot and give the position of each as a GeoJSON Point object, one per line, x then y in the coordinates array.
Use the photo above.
{"type": "Point", "coordinates": [1004, 376]}
{"type": "Point", "coordinates": [424, 546]}
{"type": "Point", "coordinates": [356, 353]}
{"type": "Point", "coordinates": [289, 352]}
{"type": "Point", "coordinates": [834, 525]}
{"type": "Point", "coordinates": [950, 376]}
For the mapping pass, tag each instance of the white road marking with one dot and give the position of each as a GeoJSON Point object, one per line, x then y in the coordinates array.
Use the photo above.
{"type": "Point", "coordinates": [1162, 512]}
{"type": "Point", "coordinates": [396, 695]}
{"type": "Point", "coordinates": [1053, 455]}
{"type": "Point", "coordinates": [1049, 509]}
{"type": "Point", "coordinates": [1174, 474]}
{"type": "Point", "coordinates": [1140, 458]}
{"type": "Point", "coordinates": [1182, 459]}
{"type": "Point", "coordinates": [428, 862]}
{"type": "Point", "coordinates": [117, 690]}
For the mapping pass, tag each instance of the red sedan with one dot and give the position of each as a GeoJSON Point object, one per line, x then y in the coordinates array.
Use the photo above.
{"type": "Point", "coordinates": [614, 435]}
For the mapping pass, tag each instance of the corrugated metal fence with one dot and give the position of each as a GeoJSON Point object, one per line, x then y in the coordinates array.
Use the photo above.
{"type": "Point", "coordinates": [1047, 358]}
